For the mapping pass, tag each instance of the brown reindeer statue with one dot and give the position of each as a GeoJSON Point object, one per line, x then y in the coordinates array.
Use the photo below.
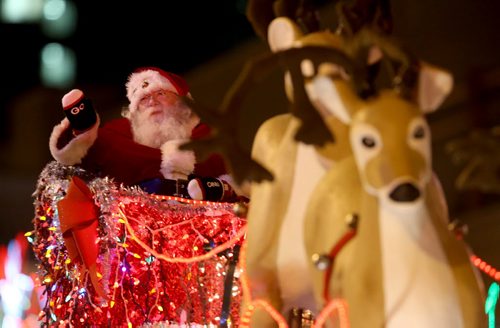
{"type": "Point", "coordinates": [403, 267]}
{"type": "Point", "coordinates": [345, 151]}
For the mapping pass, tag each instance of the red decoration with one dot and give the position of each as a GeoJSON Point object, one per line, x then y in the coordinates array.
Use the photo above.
{"type": "Point", "coordinates": [485, 267]}
{"type": "Point", "coordinates": [158, 260]}
{"type": "Point", "coordinates": [78, 221]}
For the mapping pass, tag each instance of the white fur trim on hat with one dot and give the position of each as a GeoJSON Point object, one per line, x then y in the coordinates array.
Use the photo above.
{"type": "Point", "coordinates": [75, 150]}
{"type": "Point", "coordinates": [175, 163]}
{"type": "Point", "coordinates": [142, 83]}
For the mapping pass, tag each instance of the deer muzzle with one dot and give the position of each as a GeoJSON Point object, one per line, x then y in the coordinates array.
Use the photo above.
{"type": "Point", "coordinates": [405, 192]}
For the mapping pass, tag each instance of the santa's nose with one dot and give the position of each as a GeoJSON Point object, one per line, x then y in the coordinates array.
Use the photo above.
{"type": "Point", "coordinates": [151, 100]}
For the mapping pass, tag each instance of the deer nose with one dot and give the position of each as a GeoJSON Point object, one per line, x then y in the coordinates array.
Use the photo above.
{"type": "Point", "coordinates": [406, 192]}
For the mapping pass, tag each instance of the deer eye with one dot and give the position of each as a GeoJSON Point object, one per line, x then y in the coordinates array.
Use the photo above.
{"type": "Point", "coordinates": [419, 132]}
{"type": "Point", "coordinates": [368, 142]}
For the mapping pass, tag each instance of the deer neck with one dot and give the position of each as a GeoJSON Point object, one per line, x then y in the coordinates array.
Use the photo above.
{"type": "Point", "coordinates": [416, 272]}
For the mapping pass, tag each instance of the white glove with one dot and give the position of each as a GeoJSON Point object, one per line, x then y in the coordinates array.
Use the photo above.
{"type": "Point", "coordinates": [175, 163]}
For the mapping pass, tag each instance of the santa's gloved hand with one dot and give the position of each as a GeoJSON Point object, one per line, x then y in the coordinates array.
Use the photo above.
{"type": "Point", "coordinates": [211, 189]}
{"type": "Point", "coordinates": [79, 111]}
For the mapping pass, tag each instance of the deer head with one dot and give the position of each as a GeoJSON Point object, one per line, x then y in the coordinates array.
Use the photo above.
{"type": "Point", "coordinates": [388, 134]}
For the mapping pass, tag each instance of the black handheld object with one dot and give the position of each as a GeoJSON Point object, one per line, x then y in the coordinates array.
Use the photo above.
{"type": "Point", "coordinates": [211, 189]}
{"type": "Point", "coordinates": [79, 111]}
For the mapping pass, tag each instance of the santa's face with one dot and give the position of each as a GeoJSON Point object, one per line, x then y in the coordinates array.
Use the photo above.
{"type": "Point", "coordinates": [159, 104]}
{"type": "Point", "coordinates": [161, 116]}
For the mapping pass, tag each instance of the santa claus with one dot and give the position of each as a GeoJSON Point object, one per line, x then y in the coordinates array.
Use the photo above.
{"type": "Point", "coordinates": [142, 147]}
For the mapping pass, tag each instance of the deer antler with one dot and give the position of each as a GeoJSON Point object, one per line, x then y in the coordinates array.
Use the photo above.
{"type": "Point", "coordinates": [404, 78]}
{"type": "Point", "coordinates": [305, 12]}
{"type": "Point", "coordinates": [313, 130]}
{"type": "Point", "coordinates": [223, 120]}
{"type": "Point", "coordinates": [356, 15]}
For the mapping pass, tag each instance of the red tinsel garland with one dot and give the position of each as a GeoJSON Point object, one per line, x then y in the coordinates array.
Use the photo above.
{"type": "Point", "coordinates": [141, 288]}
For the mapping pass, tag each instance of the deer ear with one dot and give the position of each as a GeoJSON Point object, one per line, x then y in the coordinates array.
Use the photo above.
{"type": "Point", "coordinates": [336, 97]}
{"type": "Point", "coordinates": [281, 33]}
{"type": "Point", "coordinates": [434, 85]}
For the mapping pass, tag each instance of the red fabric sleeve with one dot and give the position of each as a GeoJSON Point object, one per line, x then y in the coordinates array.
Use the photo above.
{"type": "Point", "coordinates": [200, 131]}
{"type": "Point", "coordinates": [115, 154]}
{"type": "Point", "coordinates": [214, 165]}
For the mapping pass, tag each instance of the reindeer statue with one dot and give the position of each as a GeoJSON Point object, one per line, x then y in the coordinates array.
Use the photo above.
{"type": "Point", "coordinates": [403, 268]}
{"type": "Point", "coordinates": [346, 151]}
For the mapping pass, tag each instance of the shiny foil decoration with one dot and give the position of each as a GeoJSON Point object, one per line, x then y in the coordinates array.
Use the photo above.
{"type": "Point", "coordinates": [140, 238]}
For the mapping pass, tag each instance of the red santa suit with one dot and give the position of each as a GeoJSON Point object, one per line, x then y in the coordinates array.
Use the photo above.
{"type": "Point", "coordinates": [111, 151]}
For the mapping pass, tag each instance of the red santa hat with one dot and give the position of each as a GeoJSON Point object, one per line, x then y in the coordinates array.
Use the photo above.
{"type": "Point", "coordinates": [146, 80]}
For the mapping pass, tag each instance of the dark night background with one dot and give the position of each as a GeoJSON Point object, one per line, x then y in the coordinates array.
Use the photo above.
{"type": "Point", "coordinates": [208, 42]}
{"type": "Point", "coordinates": [111, 40]}
{"type": "Point", "coordinates": [178, 35]}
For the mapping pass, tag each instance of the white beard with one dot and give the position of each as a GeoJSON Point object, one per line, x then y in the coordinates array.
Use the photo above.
{"type": "Point", "coordinates": [175, 122]}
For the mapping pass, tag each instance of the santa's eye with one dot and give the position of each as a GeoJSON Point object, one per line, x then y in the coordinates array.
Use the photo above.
{"type": "Point", "coordinates": [368, 142]}
{"type": "Point", "coordinates": [145, 99]}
